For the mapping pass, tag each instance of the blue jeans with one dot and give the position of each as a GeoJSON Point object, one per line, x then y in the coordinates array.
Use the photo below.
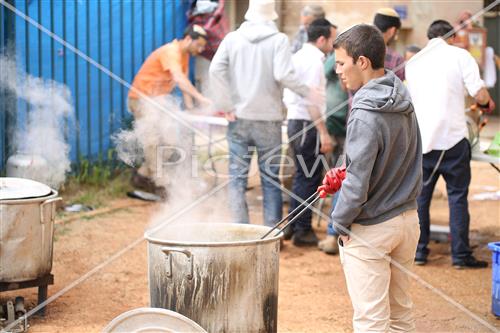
{"type": "Point", "coordinates": [455, 169]}
{"type": "Point", "coordinates": [244, 137]}
{"type": "Point", "coordinates": [308, 168]}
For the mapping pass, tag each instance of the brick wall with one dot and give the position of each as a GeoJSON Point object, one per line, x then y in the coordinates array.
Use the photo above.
{"type": "Point", "coordinates": [347, 13]}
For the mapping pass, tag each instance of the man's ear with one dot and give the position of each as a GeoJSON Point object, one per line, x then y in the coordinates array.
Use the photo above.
{"type": "Point", "coordinates": [451, 40]}
{"type": "Point", "coordinates": [393, 30]}
{"type": "Point", "coordinates": [321, 41]}
{"type": "Point", "coordinates": [363, 62]}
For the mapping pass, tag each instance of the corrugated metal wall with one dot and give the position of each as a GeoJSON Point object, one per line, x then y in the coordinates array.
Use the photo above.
{"type": "Point", "coordinates": [119, 35]}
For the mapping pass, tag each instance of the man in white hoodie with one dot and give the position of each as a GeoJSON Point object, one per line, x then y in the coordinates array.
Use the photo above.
{"type": "Point", "coordinates": [248, 73]}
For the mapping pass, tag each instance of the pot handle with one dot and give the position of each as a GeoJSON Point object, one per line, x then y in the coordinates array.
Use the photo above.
{"type": "Point", "coordinates": [167, 250]}
{"type": "Point", "coordinates": [52, 210]}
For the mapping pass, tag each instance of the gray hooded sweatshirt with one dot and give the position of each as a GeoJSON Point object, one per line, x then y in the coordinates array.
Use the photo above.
{"type": "Point", "coordinates": [250, 69]}
{"type": "Point", "coordinates": [383, 154]}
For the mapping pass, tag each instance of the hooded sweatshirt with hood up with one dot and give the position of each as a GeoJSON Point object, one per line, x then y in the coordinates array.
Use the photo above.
{"type": "Point", "coordinates": [250, 69]}
{"type": "Point", "coordinates": [383, 154]}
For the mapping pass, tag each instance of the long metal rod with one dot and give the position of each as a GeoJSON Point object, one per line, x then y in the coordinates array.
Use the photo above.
{"type": "Point", "coordinates": [494, 166]}
{"type": "Point", "coordinates": [290, 214]}
{"type": "Point", "coordinates": [298, 215]}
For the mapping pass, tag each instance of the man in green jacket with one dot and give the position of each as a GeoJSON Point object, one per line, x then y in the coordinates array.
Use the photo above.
{"type": "Point", "coordinates": [336, 109]}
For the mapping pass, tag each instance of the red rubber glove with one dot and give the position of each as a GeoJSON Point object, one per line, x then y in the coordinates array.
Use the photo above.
{"type": "Point", "coordinates": [332, 182]}
{"type": "Point", "coordinates": [488, 108]}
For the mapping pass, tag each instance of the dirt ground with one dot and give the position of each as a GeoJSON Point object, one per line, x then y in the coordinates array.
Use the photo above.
{"type": "Point", "coordinates": [312, 291]}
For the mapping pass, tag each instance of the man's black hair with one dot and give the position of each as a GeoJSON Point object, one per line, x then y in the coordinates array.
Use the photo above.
{"type": "Point", "coordinates": [363, 40]}
{"type": "Point", "coordinates": [317, 28]}
{"type": "Point", "coordinates": [440, 28]}
{"type": "Point", "coordinates": [195, 31]}
{"type": "Point", "coordinates": [384, 22]}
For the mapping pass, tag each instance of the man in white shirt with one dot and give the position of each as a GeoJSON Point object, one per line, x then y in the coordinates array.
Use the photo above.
{"type": "Point", "coordinates": [308, 144]}
{"type": "Point", "coordinates": [438, 78]}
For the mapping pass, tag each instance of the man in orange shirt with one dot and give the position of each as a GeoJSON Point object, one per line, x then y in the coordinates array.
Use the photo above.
{"type": "Point", "coordinates": [164, 69]}
{"type": "Point", "coordinates": [167, 67]}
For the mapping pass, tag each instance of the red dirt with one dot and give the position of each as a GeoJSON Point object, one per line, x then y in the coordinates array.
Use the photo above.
{"type": "Point", "coordinates": [312, 295]}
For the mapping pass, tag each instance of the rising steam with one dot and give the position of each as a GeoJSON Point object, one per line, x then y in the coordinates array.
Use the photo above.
{"type": "Point", "coordinates": [158, 135]}
{"type": "Point", "coordinates": [42, 135]}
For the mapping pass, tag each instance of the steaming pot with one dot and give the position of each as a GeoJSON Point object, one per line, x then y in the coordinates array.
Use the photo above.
{"type": "Point", "coordinates": [28, 210]}
{"type": "Point", "coordinates": [221, 275]}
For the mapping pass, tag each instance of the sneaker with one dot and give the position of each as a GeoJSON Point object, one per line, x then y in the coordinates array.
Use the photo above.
{"type": "Point", "coordinates": [420, 259]}
{"type": "Point", "coordinates": [329, 245]}
{"type": "Point", "coordinates": [469, 262]}
{"type": "Point", "coordinates": [304, 238]}
{"type": "Point", "coordinates": [288, 233]}
{"type": "Point", "coordinates": [421, 256]}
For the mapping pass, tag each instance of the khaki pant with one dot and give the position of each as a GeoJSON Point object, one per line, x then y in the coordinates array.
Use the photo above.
{"type": "Point", "coordinates": [379, 290]}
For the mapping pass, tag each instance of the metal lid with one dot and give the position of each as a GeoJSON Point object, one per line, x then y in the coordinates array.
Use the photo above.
{"type": "Point", "coordinates": [21, 188]}
{"type": "Point", "coordinates": [152, 320]}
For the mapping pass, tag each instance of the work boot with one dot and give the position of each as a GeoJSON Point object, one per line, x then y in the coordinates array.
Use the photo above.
{"type": "Point", "coordinates": [469, 262]}
{"type": "Point", "coordinates": [304, 238]}
{"type": "Point", "coordinates": [288, 233]}
{"type": "Point", "coordinates": [329, 245]}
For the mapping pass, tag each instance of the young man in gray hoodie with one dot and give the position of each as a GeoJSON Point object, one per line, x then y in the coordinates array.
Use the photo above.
{"type": "Point", "coordinates": [375, 214]}
{"type": "Point", "coordinates": [248, 73]}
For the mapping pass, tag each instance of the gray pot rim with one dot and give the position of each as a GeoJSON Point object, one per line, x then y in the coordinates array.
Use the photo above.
{"type": "Point", "coordinates": [52, 194]}
{"type": "Point", "coordinates": [167, 242]}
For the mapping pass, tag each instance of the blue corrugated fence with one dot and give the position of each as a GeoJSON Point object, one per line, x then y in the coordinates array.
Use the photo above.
{"type": "Point", "coordinates": [119, 35]}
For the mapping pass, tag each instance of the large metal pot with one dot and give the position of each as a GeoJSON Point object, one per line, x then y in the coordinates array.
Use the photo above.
{"type": "Point", "coordinates": [26, 229]}
{"type": "Point", "coordinates": [221, 275]}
